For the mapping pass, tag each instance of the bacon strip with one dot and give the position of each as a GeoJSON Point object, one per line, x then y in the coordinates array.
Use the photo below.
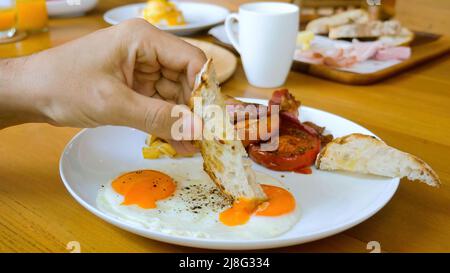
{"type": "Point", "coordinates": [287, 102]}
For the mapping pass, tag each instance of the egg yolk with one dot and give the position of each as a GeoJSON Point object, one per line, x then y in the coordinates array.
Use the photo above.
{"type": "Point", "coordinates": [279, 202]}
{"type": "Point", "coordinates": [239, 213]}
{"type": "Point", "coordinates": [144, 188]}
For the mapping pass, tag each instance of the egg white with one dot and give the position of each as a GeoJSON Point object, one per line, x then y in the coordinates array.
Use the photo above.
{"type": "Point", "coordinates": [193, 210]}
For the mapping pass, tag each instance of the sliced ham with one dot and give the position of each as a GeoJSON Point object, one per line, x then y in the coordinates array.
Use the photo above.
{"type": "Point", "coordinates": [334, 57]}
{"type": "Point", "coordinates": [364, 51]}
{"type": "Point", "coordinates": [393, 53]}
{"type": "Point", "coordinates": [341, 61]}
{"type": "Point", "coordinates": [355, 53]}
{"type": "Point", "coordinates": [308, 56]}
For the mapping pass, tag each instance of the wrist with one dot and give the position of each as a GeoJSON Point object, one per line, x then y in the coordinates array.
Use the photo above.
{"type": "Point", "coordinates": [19, 101]}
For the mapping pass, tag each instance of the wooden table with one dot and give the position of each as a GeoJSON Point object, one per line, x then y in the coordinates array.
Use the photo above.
{"type": "Point", "coordinates": [410, 111]}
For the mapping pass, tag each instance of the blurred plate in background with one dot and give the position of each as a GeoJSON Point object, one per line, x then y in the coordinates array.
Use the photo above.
{"type": "Point", "coordinates": [198, 16]}
{"type": "Point", "coordinates": [70, 7]}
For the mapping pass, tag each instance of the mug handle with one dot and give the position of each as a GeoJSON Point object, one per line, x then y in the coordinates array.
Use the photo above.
{"type": "Point", "coordinates": [229, 21]}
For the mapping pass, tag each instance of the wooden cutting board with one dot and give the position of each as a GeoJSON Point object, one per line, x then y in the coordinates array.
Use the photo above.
{"type": "Point", "coordinates": [225, 62]}
{"type": "Point", "coordinates": [425, 47]}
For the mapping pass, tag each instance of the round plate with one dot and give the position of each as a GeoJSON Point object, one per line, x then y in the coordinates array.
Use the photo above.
{"type": "Point", "coordinates": [65, 8]}
{"type": "Point", "coordinates": [330, 202]}
{"type": "Point", "coordinates": [225, 62]}
{"type": "Point", "coordinates": [198, 16]}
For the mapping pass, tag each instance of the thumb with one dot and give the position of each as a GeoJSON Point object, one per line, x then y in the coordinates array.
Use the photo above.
{"type": "Point", "coordinates": [154, 115]}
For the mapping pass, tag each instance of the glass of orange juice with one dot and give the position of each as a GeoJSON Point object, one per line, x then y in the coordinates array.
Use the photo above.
{"type": "Point", "coordinates": [32, 15]}
{"type": "Point", "coordinates": [7, 18]}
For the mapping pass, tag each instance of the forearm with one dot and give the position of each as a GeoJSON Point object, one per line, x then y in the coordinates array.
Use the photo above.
{"type": "Point", "coordinates": [19, 101]}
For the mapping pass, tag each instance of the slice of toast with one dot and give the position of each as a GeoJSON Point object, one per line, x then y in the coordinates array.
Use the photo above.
{"type": "Point", "coordinates": [405, 38]}
{"type": "Point", "coordinates": [369, 155]}
{"type": "Point", "coordinates": [225, 161]}
{"type": "Point", "coordinates": [322, 25]}
{"type": "Point", "coordinates": [372, 29]}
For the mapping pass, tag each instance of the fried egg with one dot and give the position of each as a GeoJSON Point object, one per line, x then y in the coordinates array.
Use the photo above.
{"type": "Point", "coordinates": [179, 198]}
{"type": "Point", "coordinates": [163, 13]}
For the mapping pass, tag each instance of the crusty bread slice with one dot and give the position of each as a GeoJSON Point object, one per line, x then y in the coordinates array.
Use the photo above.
{"type": "Point", "coordinates": [367, 154]}
{"type": "Point", "coordinates": [322, 25]}
{"type": "Point", "coordinates": [372, 29]}
{"type": "Point", "coordinates": [403, 39]}
{"type": "Point", "coordinates": [225, 161]}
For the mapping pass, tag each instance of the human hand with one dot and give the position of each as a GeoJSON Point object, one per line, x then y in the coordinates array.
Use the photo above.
{"type": "Point", "coordinates": [131, 74]}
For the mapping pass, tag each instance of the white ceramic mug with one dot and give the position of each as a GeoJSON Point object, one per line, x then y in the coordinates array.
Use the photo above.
{"type": "Point", "coordinates": [266, 40]}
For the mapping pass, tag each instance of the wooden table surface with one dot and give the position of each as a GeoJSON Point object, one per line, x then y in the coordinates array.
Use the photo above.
{"type": "Point", "coordinates": [410, 112]}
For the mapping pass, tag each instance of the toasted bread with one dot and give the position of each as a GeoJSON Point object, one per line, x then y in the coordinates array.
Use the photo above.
{"type": "Point", "coordinates": [369, 155]}
{"type": "Point", "coordinates": [403, 39]}
{"type": "Point", "coordinates": [225, 161]}
{"type": "Point", "coordinates": [372, 29]}
{"type": "Point", "coordinates": [322, 25]}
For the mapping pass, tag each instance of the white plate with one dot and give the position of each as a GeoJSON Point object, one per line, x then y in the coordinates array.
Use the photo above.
{"type": "Point", "coordinates": [198, 16]}
{"type": "Point", "coordinates": [330, 202]}
{"type": "Point", "coordinates": [69, 7]}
